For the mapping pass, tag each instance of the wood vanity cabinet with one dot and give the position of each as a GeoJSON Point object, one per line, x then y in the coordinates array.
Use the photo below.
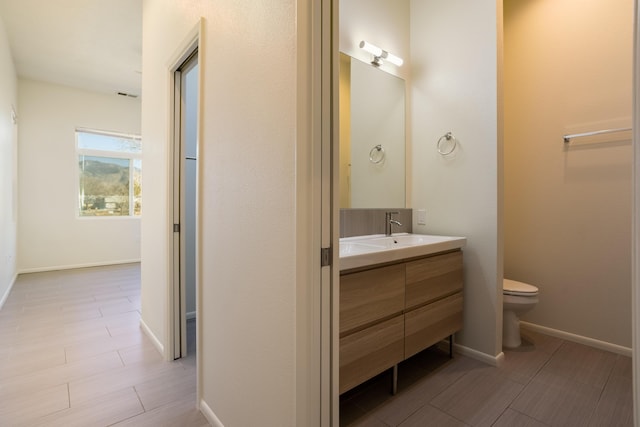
{"type": "Point", "coordinates": [389, 313]}
{"type": "Point", "coordinates": [433, 305]}
{"type": "Point", "coordinates": [371, 323]}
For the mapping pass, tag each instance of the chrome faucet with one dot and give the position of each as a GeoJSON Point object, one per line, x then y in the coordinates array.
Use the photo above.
{"type": "Point", "coordinates": [389, 222]}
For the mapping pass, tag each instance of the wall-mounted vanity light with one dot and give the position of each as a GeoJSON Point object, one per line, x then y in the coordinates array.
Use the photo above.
{"type": "Point", "coordinates": [379, 55]}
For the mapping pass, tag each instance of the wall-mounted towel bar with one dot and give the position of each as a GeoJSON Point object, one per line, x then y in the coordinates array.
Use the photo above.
{"type": "Point", "coordinates": [568, 138]}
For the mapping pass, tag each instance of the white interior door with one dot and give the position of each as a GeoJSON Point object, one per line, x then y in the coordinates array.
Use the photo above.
{"type": "Point", "coordinates": [185, 203]}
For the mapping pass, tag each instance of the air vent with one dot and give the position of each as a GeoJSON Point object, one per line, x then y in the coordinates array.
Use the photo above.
{"type": "Point", "coordinates": [130, 95]}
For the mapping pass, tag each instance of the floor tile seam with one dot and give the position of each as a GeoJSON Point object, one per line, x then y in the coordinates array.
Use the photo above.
{"type": "Point", "coordinates": [576, 382]}
{"type": "Point", "coordinates": [430, 402]}
{"type": "Point", "coordinates": [576, 379]}
{"type": "Point", "coordinates": [514, 398]}
{"type": "Point", "coordinates": [33, 372]}
{"type": "Point", "coordinates": [447, 388]}
{"type": "Point", "coordinates": [445, 412]}
{"type": "Point", "coordinates": [119, 312]}
{"type": "Point", "coordinates": [546, 363]}
{"type": "Point", "coordinates": [119, 420]}
{"type": "Point", "coordinates": [139, 399]}
{"type": "Point", "coordinates": [51, 414]}
{"type": "Point", "coordinates": [125, 419]}
{"type": "Point", "coordinates": [90, 355]}
{"type": "Point", "coordinates": [540, 368]}
{"type": "Point", "coordinates": [500, 416]}
{"type": "Point", "coordinates": [81, 400]}
{"type": "Point", "coordinates": [102, 338]}
{"type": "Point", "coordinates": [561, 388]}
{"type": "Point", "coordinates": [401, 421]}
{"type": "Point", "coordinates": [604, 387]}
{"type": "Point", "coordinates": [153, 372]}
{"type": "Point", "coordinates": [11, 395]}
{"type": "Point", "coordinates": [80, 384]}
{"type": "Point", "coordinates": [521, 413]}
{"type": "Point", "coordinates": [111, 340]}
{"type": "Point", "coordinates": [68, 396]}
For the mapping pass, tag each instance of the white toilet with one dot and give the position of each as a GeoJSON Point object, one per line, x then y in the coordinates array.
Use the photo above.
{"type": "Point", "coordinates": [518, 298]}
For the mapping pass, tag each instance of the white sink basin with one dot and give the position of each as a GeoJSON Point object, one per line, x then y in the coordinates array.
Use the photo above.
{"type": "Point", "coordinates": [361, 251]}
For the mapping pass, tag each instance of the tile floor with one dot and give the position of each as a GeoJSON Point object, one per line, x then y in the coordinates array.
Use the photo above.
{"type": "Point", "coordinates": [72, 354]}
{"type": "Point", "coordinates": [548, 382]}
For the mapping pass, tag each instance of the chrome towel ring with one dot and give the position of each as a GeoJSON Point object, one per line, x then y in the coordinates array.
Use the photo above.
{"type": "Point", "coordinates": [447, 144]}
{"type": "Point", "coordinates": [376, 155]}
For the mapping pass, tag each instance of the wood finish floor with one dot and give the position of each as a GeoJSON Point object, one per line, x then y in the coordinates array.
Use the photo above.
{"type": "Point", "coordinates": [548, 382]}
{"type": "Point", "coordinates": [72, 354]}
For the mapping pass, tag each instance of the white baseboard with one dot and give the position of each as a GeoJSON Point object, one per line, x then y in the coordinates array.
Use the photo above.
{"type": "Point", "coordinates": [191, 315]}
{"type": "Point", "coordinates": [602, 345]}
{"type": "Point", "coordinates": [73, 266]}
{"type": "Point", "coordinates": [209, 415]}
{"type": "Point", "coordinates": [6, 294]}
{"type": "Point", "coordinates": [478, 355]}
{"type": "Point", "coordinates": [156, 342]}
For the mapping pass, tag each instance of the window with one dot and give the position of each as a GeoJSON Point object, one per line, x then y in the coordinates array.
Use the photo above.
{"type": "Point", "coordinates": [110, 172]}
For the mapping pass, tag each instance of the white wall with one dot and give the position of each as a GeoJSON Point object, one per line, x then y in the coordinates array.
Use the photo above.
{"type": "Point", "coordinates": [51, 235]}
{"type": "Point", "coordinates": [454, 69]}
{"type": "Point", "coordinates": [450, 51]}
{"type": "Point", "coordinates": [384, 23]}
{"type": "Point", "coordinates": [568, 66]}
{"type": "Point", "coordinates": [8, 168]}
{"type": "Point", "coordinates": [248, 213]}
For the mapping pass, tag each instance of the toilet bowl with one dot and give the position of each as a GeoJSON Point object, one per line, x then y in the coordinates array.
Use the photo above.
{"type": "Point", "coordinates": [518, 298]}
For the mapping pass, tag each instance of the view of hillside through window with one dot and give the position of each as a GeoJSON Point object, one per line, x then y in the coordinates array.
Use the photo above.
{"type": "Point", "coordinates": [110, 174]}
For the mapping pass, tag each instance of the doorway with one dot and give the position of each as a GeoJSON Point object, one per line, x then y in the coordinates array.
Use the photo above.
{"type": "Point", "coordinates": [185, 202]}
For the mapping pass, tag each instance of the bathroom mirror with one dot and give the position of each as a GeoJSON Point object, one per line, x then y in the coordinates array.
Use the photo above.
{"type": "Point", "coordinates": [372, 136]}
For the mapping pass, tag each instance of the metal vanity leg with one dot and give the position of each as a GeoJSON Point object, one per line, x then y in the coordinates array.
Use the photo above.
{"type": "Point", "coordinates": [451, 346]}
{"type": "Point", "coordinates": [394, 381]}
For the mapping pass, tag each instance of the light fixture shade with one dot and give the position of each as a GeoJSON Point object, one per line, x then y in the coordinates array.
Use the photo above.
{"type": "Point", "coordinates": [372, 49]}
{"type": "Point", "coordinates": [380, 54]}
{"type": "Point", "coordinates": [395, 60]}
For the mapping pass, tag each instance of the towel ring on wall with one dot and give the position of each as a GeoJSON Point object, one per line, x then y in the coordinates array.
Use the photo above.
{"type": "Point", "coordinates": [453, 142]}
{"type": "Point", "coordinates": [376, 155]}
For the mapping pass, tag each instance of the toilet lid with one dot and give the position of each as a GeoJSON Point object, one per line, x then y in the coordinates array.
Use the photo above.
{"type": "Point", "coordinates": [513, 287]}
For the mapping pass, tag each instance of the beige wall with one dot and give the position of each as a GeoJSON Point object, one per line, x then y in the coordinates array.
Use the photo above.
{"type": "Point", "coordinates": [8, 168]}
{"type": "Point", "coordinates": [454, 46]}
{"type": "Point", "coordinates": [252, 329]}
{"type": "Point", "coordinates": [51, 233]}
{"type": "Point", "coordinates": [568, 69]}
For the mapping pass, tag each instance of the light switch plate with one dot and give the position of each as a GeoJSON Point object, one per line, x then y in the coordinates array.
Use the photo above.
{"type": "Point", "coordinates": [422, 217]}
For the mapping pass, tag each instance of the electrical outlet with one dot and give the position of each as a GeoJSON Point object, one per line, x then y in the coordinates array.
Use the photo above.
{"type": "Point", "coordinates": [422, 217]}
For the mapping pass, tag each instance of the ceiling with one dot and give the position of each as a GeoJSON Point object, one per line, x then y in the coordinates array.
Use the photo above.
{"type": "Point", "coordinates": [89, 44]}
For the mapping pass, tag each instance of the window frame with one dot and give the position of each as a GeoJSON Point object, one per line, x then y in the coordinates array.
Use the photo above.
{"type": "Point", "coordinates": [131, 156]}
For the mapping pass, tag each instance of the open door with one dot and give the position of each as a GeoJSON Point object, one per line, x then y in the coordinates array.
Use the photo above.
{"type": "Point", "coordinates": [185, 205]}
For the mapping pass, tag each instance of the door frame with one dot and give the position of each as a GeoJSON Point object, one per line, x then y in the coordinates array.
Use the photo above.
{"type": "Point", "coordinates": [318, 213]}
{"type": "Point", "coordinates": [191, 44]}
{"type": "Point", "coordinates": [179, 206]}
{"type": "Point", "coordinates": [635, 277]}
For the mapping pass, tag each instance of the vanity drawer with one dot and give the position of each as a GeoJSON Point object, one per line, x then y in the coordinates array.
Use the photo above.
{"type": "Point", "coordinates": [432, 278]}
{"type": "Point", "coordinates": [427, 325]}
{"type": "Point", "coordinates": [367, 353]}
{"type": "Point", "coordinates": [371, 295]}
